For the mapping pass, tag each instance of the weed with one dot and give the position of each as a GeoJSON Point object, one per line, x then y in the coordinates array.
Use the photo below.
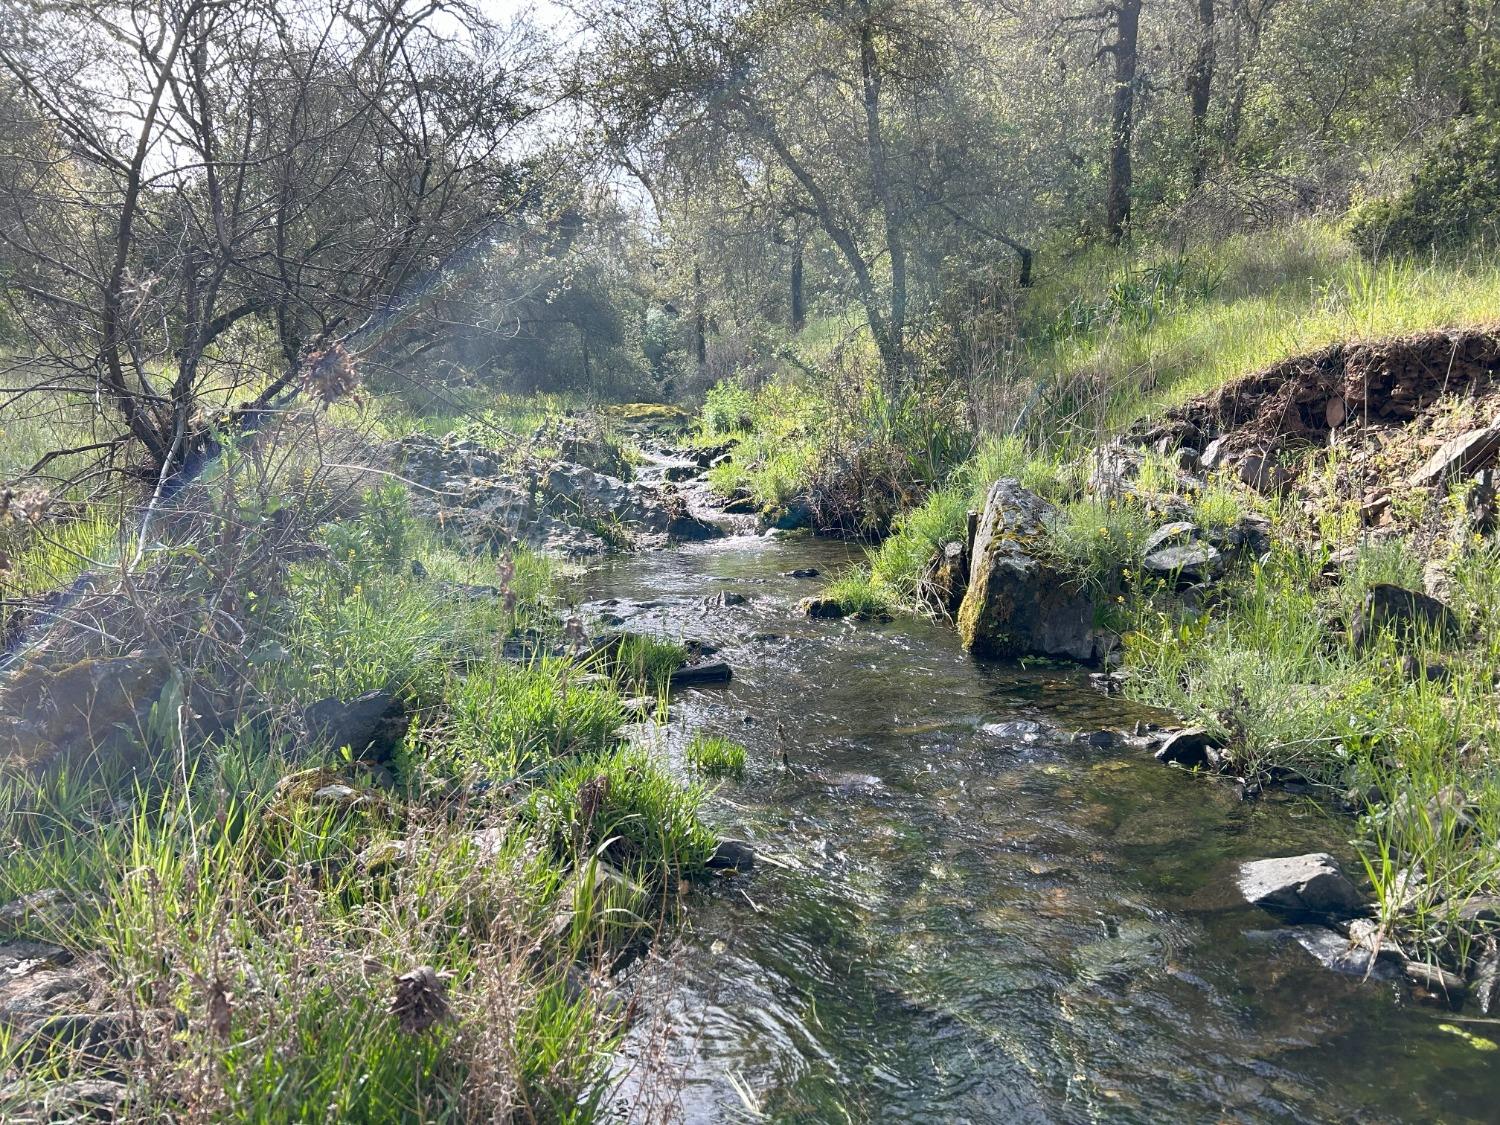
{"type": "Point", "coordinates": [716, 756]}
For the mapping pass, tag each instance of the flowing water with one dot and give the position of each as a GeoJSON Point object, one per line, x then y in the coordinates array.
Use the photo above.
{"type": "Point", "coordinates": [968, 914]}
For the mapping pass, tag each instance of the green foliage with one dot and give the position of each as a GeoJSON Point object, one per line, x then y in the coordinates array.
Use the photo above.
{"type": "Point", "coordinates": [1277, 293]}
{"type": "Point", "coordinates": [643, 663]}
{"type": "Point", "coordinates": [716, 756]}
{"type": "Point", "coordinates": [899, 563]}
{"type": "Point", "coordinates": [1453, 197]}
{"type": "Point", "coordinates": [1098, 539]}
{"type": "Point", "coordinates": [625, 805]}
{"type": "Point", "coordinates": [503, 719]}
{"type": "Point", "coordinates": [860, 595]}
{"type": "Point", "coordinates": [1266, 669]}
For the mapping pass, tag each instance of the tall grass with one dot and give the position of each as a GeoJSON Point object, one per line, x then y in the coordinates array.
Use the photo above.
{"type": "Point", "coordinates": [1227, 310]}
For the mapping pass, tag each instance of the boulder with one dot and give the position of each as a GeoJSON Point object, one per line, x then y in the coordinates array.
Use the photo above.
{"type": "Point", "coordinates": [677, 474]}
{"type": "Point", "coordinates": [372, 725]}
{"type": "Point", "coordinates": [1404, 613]}
{"type": "Point", "coordinates": [1193, 747]}
{"type": "Point", "coordinates": [1017, 602]}
{"type": "Point", "coordinates": [802, 572]}
{"type": "Point", "coordinates": [1300, 886]}
{"type": "Point", "coordinates": [50, 707]}
{"type": "Point", "coordinates": [794, 516]}
{"type": "Point", "coordinates": [726, 599]}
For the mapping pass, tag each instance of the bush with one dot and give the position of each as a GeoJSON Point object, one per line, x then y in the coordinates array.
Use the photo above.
{"type": "Point", "coordinates": [1453, 198]}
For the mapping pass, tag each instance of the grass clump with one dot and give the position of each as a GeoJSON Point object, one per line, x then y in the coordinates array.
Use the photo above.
{"type": "Point", "coordinates": [1098, 540]}
{"type": "Point", "coordinates": [503, 719]}
{"type": "Point", "coordinates": [640, 663]}
{"type": "Point", "coordinates": [858, 594]}
{"type": "Point", "coordinates": [626, 807]}
{"type": "Point", "coordinates": [716, 756]}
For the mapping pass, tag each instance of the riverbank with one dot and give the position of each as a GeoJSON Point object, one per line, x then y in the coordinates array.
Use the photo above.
{"type": "Point", "coordinates": [326, 806]}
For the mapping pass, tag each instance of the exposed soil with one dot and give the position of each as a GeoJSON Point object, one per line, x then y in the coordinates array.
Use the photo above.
{"type": "Point", "coordinates": [1389, 409]}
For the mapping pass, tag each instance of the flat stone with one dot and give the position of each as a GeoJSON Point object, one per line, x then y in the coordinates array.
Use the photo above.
{"type": "Point", "coordinates": [1300, 886]}
{"type": "Point", "coordinates": [1334, 951]}
{"type": "Point", "coordinates": [1178, 533]}
{"type": "Point", "coordinates": [802, 572]}
{"type": "Point", "coordinates": [1193, 562]}
{"type": "Point", "coordinates": [1467, 453]}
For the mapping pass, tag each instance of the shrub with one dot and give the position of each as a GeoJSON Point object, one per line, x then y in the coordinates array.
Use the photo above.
{"type": "Point", "coordinates": [1452, 198]}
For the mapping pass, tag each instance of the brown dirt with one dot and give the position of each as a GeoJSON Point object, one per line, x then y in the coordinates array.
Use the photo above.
{"type": "Point", "coordinates": [1365, 384]}
{"type": "Point", "coordinates": [1382, 407]}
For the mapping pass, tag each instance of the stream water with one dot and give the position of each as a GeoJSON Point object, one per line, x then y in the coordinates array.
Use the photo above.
{"type": "Point", "coordinates": [969, 915]}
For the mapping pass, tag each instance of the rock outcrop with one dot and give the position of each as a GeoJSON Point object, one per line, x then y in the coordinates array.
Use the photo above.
{"type": "Point", "coordinates": [1018, 602]}
{"type": "Point", "coordinates": [558, 506]}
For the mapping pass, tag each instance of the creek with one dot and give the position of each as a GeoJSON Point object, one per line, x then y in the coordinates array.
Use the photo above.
{"type": "Point", "coordinates": [966, 913]}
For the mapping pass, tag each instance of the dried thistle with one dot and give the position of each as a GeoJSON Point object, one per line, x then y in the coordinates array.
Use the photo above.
{"type": "Point", "coordinates": [25, 507]}
{"type": "Point", "coordinates": [592, 795]}
{"type": "Point", "coordinates": [331, 375]}
{"type": "Point", "coordinates": [420, 1000]}
{"type": "Point", "coordinates": [220, 1009]}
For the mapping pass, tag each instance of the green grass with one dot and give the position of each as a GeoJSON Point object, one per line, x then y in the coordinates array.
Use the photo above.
{"type": "Point", "coordinates": [263, 931]}
{"type": "Point", "coordinates": [859, 595]}
{"type": "Point", "coordinates": [1169, 327]}
{"type": "Point", "coordinates": [640, 663]}
{"type": "Point", "coordinates": [1273, 670]}
{"type": "Point", "coordinates": [715, 756]}
{"type": "Point", "coordinates": [625, 806]}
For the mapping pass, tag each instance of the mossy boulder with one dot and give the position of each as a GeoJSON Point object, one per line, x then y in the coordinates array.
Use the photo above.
{"type": "Point", "coordinates": [1019, 602]}
{"type": "Point", "coordinates": [51, 706]}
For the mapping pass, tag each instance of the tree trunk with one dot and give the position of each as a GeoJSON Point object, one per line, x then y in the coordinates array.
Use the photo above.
{"type": "Point", "coordinates": [700, 321]}
{"type": "Point", "coordinates": [1127, 17]}
{"type": "Point", "coordinates": [893, 347]}
{"type": "Point", "coordinates": [799, 316]}
{"type": "Point", "coordinates": [1200, 89]}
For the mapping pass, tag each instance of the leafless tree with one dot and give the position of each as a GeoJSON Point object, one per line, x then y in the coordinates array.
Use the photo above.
{"type": "Point", "coordinates": [218, 201]}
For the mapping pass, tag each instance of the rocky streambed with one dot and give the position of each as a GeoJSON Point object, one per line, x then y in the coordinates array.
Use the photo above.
{"type": "Point", "coordinates": [980, 899]}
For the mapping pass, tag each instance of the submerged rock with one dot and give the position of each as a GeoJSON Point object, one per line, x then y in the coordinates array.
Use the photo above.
{"type": "Point", "coordinates": [708, 672]}
{"type": "Point", "coordinates": [1018, 603]}
{"type": "Point", "coordinates": [731, 855]}
{"type": "Point", "coordinates": [1300, 886]}
{"type": "Point", "coordinates": [1352, 958]}
{"type": "Point", "coordinates": [826, 608]}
